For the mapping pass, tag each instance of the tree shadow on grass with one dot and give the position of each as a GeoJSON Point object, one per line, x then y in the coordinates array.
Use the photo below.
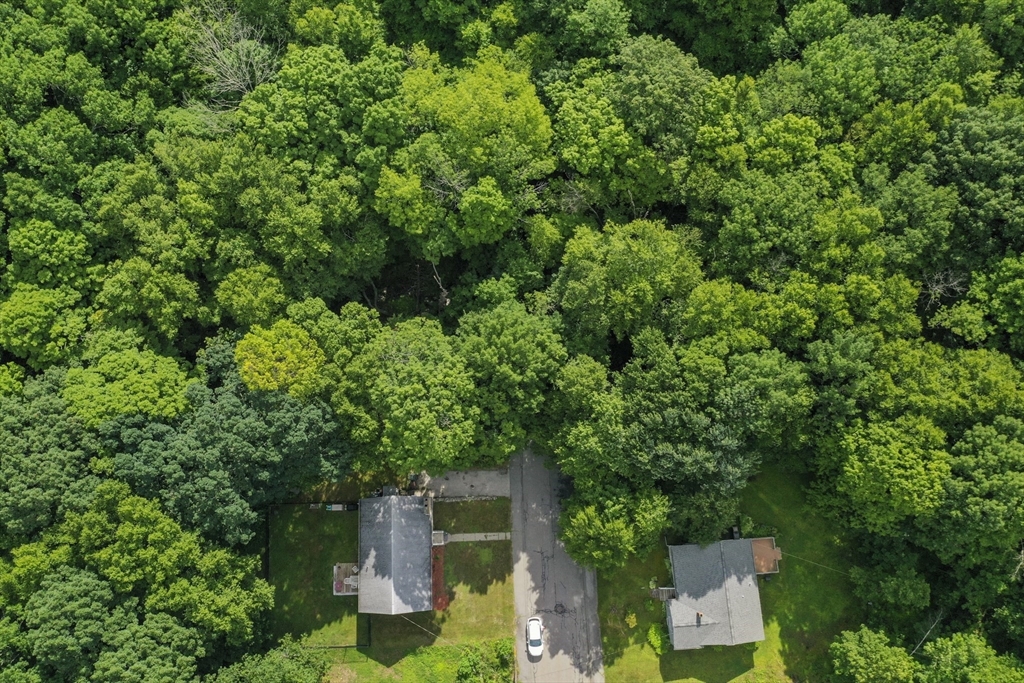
{"type": "Point", "coordinates": [477, 565]}
{"type": "Point", "coordinates": [392, 637]}
{"type": "Point", "coordinates": [718, 664]}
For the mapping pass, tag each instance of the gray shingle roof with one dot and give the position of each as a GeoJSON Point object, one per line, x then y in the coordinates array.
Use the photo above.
{"type": "Point", "coordinates": [394, 555]}
{"type": "Point", "coordinates": [719, 581]}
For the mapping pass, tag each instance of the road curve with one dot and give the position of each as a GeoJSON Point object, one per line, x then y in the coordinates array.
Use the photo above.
{"type": "Point", "coordinates": [549, 584]}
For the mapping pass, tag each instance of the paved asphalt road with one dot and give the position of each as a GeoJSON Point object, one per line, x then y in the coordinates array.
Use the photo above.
{"type": "Point", "coordinates": [549, 584]}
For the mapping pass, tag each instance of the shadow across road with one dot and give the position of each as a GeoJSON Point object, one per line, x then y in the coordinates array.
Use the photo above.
{"type": "Point", "coordinates": [549, 584]}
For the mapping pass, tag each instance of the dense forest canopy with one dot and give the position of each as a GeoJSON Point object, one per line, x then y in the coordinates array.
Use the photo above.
{"type": "Point", "coordinates": [251, 246]}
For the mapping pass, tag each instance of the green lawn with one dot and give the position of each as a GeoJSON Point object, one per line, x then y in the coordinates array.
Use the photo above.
{"type": "Point", "coordinates": [804, 605]}
{"type": "Point", "coordinates": [304, 546]}
{"type": "Point", "coordinates": [475, 516]}
{"type": "Point", "coordinates": [426, 647]}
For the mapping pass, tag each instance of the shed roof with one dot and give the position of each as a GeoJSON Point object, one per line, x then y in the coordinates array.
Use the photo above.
{"type": "Point", "coordinates": [720, 582]}
{"type": "Point", "coordinates": [394, 555]}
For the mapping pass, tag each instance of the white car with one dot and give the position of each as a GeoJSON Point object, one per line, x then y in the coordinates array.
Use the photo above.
{"type": "Point", "coordinates": [534, 644]}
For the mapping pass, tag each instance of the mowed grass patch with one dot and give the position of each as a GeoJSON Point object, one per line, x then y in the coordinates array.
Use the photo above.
{"type": "Point", "coordinates": [427, 646]}
{"type": "Point", "coordinates": [473, 516]}
{"type": "Point", "coordinates": [305, 544]}
{"type": "Point", "coordinates": [435, 664]}
{"type": "Point", "coordinates": [804, 606]}
{"type": "Point", "coordinates": [478, 577]}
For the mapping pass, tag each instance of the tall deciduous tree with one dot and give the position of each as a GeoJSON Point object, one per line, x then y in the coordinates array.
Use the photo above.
{"type": "Point", "coordinates": [410, 400]}
{"type": "Point", "coordinates": [468, 178]}
{"type": "Point", "coordinates": [44, 460]}
{"type": "Point", "coordinates": [513, 356]}
{"type": "Point", "coordinates": [615, 281]}
{"type": "Point", "coordinates": [865, 656]}
{"type": "Point", "coordinates": [137, 550]}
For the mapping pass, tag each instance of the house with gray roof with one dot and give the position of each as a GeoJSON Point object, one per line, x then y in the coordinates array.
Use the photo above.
{"type": "Point", "coordinates": [394, 555]}
{"type": "Point", "coordinates": [716, 599]}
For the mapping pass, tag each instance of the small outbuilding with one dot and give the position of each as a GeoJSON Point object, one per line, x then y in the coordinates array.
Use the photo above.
{"type": "Point", "coordinates": [394, 555]}
{"type": "Point", "coordinates": [716, 601]}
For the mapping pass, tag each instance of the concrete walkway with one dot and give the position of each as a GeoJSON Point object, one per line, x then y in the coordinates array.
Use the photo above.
{"type": "Point", "coordinates": [549, 584]}
{"type": "Point", "coordinates": [467, 484]}
{"type": "Point", "coordinates": [497, 536]}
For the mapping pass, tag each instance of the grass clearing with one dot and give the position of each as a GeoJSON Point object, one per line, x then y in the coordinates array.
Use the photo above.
{"type": "Point", "coordinates": [804, 606]}
{"type": "Point", "coordinates": [304, 546]}
{"type": "Point", "coordinates": [473, 516]}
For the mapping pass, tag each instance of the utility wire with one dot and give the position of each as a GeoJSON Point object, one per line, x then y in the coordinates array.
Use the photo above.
{"type": "Point", "coordinates": [838, 571]}
{"type": "Point", "coordinates": [436, 635]}
{"type": "Point", "coordinates": [929, 631]}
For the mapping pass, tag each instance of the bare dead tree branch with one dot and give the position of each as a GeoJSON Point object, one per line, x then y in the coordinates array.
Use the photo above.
{"type": "Point", "coordinates": [574, 199]}
{"type": "Point", "coordinates": [941, 285]}
{"type": "Point", "coordinates": [447, 181]}
{"type": "Point", "coordinates": [230, 51]}
{"type": "Point", "coordinates": [442, 298]}
{"type": "Point", "coordinates": [1020, 565]}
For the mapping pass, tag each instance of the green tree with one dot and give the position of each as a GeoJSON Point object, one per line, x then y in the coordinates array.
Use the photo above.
{"type": "Point", "coordinates": [67, 619]}
{"type": "Point", "coordinates": [44, 456]}
{"type": "Point", "coordinates": [616, 281]}
{"type": "Point", "coordinates": [700, 423]}
{"type": "Point", "coordinates": [44, 255]}
{"type": "Point", "coordinates": [598, 27]}
{"type": "Point", "coordinates": [159, 297]}
{"type": "Point", "coordinates": [252, 296]}
{"type": "Point", "coordinates": [967, 658]}
{"type": "Point", "coordinates": [410, 400]}
{"type": "Point", "coordinates": [288, 663]}
{"type": "Point", "coordinates": [605, 533]}
{"type": "Point", "coordinates": [973, 529]}
{"type": "Point", "coordinates": [611, 165]}
{"type": "Point", "coordinates": [992, 307]}
{"type": "Point", "coordinates": [892, 471]}
{"type": "Point", "coordinates": [726, 35]}
{"type": "Point", "coordinates": [659, 91]}
{"type": "Point", "coordinates": [42, 326]}
{"type": "Point", "coordinates": [810, 22]}
{"type": "Point", "coordinates": [283, 357]}
{"type": "Point", "coordinates": [120, 378]}
{"type": "Point", "coordinates": [865, 656]}
{"type": "Point", "coordinates": [12, 377]}
{"type": "Point", "coordinates": [513, 357]}
{"type": "Point", "coordinates": [466, 180]}
{"type": "Point", "coordinates": [231, 453]}
{"type": "Point", "coordinates": [157, 648]}
{"type": "Point", "coordinates": [137, 550]}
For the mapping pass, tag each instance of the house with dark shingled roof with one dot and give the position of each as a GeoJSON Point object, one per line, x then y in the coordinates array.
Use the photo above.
{"type": "Point", "coordinates": [394, 555]}
{"type": "Point", "coordinates": [716, 600]}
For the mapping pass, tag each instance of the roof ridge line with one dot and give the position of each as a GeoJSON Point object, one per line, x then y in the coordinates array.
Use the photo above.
{"type": "Point", "coordinates": [725, 585]}
{"type": "Point", "coordinates": [391, 548]}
